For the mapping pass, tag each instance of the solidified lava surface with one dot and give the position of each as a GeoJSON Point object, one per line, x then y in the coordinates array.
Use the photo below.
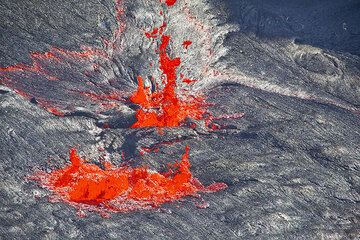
{"type": "Point", "coordinates": [265, 94]}
{"type": "Point", "coordinates": [130, 189]}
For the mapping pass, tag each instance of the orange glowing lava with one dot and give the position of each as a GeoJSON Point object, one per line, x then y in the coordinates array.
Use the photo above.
{"type": "Point", "coordinates": [165, 107]}
{"type": "Point", "coordinates": [121, 189]}
{"type": "Point", "coordinates": [114, 189]}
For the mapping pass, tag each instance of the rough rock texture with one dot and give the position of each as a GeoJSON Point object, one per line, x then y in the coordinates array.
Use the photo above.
{"type": "Point", "coordinates": [292, 162]}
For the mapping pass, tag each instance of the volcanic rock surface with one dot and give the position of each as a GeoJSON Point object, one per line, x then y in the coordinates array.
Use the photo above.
{"type": "Point", "coordinates": [291, 163]}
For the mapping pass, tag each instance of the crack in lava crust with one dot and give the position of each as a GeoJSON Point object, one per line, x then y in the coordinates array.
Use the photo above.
{"type": "Point", "coordinates": [63, 80]}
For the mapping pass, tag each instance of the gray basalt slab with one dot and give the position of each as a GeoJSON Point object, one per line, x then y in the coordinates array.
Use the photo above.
{"type": "Point", "coordinates": [291, 163]}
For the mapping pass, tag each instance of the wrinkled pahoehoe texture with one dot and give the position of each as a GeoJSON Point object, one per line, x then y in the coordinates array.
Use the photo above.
{"type": "Point", "coordinates": [291, 163]}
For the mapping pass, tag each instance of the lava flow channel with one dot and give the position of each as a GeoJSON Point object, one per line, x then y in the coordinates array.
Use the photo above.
{"type": "Point", "coordinates": [87, 186]}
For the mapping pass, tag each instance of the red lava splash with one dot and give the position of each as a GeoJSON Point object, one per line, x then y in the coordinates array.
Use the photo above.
{"type": "Point", "coordinates": [165, 107]}
{"type": "Point", "coordinates": [87, 186]}
{"type": "Point", "coordinates": [170, 2]}
{"type": "Point", "coordinates": [61, 81]}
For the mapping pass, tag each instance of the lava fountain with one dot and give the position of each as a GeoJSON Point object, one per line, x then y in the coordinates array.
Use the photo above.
{"type": "Point", "coordinates": [120, 189]}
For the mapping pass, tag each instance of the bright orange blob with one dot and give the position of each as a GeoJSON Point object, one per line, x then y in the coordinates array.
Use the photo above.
{"type": "Point", "coordinates": [87, 186]}
{"type": "Point", "coordinates": [165, 107]}
{"type": "Point", "coordinates": [168, 106]}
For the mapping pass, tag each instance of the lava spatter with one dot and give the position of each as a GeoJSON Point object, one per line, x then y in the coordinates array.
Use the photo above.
{"type": "Point", "coordinates": [87, 186]}
{"type": "Point", "coordinates": [166, 107]}
{"type": "Point", "coordinates": [186, 44]}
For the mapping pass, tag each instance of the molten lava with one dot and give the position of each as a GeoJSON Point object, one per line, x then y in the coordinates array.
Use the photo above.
{"type": "Point", "coordinates": [113, 189]}
{"type": "Point", "coordinates": [165, 107]}
{"type": "Point", "coordinates": [170, 2]}
{"type": "Point", "coordinates": [121, 189]}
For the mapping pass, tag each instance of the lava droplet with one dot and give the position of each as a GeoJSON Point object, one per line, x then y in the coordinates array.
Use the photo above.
{"type": "Point", "coordinates": [87, 186]}
{"type": "Point", "coordinates": [186, 44]}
